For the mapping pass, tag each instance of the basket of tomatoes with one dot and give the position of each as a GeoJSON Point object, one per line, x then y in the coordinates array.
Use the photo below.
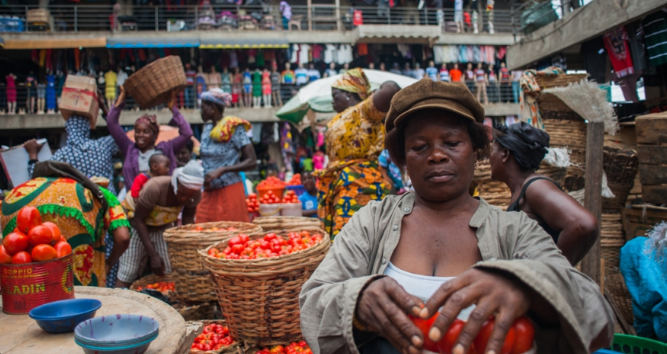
{"type": "Point", "coordinates": [192, 281]}
{"type": "Point", "coordinates": [300, 347]}
{"type": "Point", "coordinates": [164, 284]}
{"type": "Point", "coordinates": [258, 278]}
{"type": "Point", "coordinates": [35, 264]}
{"type": "Point", "coordinates": [214, 339]}
{"type": "Point", "coordinates": [271, 184]}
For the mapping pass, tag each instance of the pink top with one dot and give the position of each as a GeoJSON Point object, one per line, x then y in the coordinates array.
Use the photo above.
{"type": "Point", "coordinates": [318, 161]}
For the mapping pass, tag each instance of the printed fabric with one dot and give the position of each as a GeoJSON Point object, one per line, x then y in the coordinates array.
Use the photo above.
{"type": "Point", "coordinates": [77, 213]}
{"type": "Point", "coordinates": [354, 81]}
{"type": "Point", "coordinates": [530, 91]}
{"type": "Point", "coordinates": [344, 188]}
{"type": "Point", "coordinates": [616, 43]}
{"type": "Point", "coordinates": [215, 154]}
{"type": "Point", "coordinates": [655, 37]}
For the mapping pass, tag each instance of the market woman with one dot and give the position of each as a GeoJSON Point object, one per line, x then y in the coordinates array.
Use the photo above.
{"type": "Point", "coordinates": [354, 140]}
{"type": "Point", "coordinates": [73, 205]}
{"type": "Point", "coordinates": [516, 154]}
{"type": "Point", "coordinates": [225, 151]}
{"type": "Point", "coordinates": [146, 130]}
{"type": "Point", "coordinates": [441, 246]}
{"type": "Point", "coordinates": [160, 202]}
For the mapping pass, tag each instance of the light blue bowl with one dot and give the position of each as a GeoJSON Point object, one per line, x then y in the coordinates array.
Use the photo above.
{"type": "Point", "coordinates": [63, 316]}
{"type": "Point", "coordinates": [116, 331]}
{"type": "Point", "coordinates": [136, 348]}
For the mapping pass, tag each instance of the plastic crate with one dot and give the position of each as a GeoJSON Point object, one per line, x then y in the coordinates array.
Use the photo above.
{"type": "Point", "coordinates": [298, 190]}
{"type": "Point", "coordinates": [624, 343]}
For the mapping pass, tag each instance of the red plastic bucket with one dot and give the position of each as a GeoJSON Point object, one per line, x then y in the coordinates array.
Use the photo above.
{"type": "Point", "coordinates": [26, 286]}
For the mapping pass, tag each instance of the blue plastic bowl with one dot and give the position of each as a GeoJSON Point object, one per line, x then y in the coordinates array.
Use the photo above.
{"type": "Point", "coordinates": [116, 331]}
{"type": "Point", "coordinates": [136, 348]}
{"type": "Point", "coordinates": [63, 316]}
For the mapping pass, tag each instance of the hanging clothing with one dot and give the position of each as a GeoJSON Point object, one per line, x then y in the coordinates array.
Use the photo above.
{"type": "Point", "coordinates": [303, 53]}
{"type": "Point", "coordinates": [294, 58]}
{"type": "Point", "coordinates": [615, 41]}
{"type": "Point", "coordinates": [50, 92]}
{"type": "Point", "coordinates": [233, 60]}
{"type": "Point", "coordinates": [438, 54]}
{"type": "Point", "coordinates": [362, 49]}
{"type": "Point", "coordinates": [655, 37]}
{"type": "Point", "coordinates": [330, 53]}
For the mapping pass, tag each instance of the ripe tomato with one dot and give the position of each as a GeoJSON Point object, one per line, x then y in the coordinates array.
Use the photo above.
{"type": "Point", "coordinates": [5, 258]}
{"type": "Point", "coordinates": [15, 242]}
{"type": "Point", "coordinates": [213, 252]}
{"type": "Point", "coordinates": [425, 326]}
{"type": "Point", "coordinates": [55, 231]}
{"type": "Point", "coordinates": [22, 257]}
{"type": "Point", "coordinates": [43, 253]}
{"type": "Point", "coordinates": [525, 334]}
{"type": "Point", "coordinates": [63, 249]}
{"type": "Point", "coordinates": [277, 349]}
{"type": "Point", "coordinates": [39, 235]}
{"type": "Point", "coordinates": [446, 343]}
{"type": "Point", "coordinates": [27, 218]}
{"type": "Point", "coordinates": [485, 333]}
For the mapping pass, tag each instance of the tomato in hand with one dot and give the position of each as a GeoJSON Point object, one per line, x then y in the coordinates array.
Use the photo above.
{"type": "Point", "coordinates": [27, 218]}
{"type": "Point", "coordinates": [39, 235]}
{"type": "Point", "coordinates": [55, 231]}
{"type": "Point", "coordinates": [43, 253]}
{"type": "Point", "coordinates": [425, 326]}
{"type": "Point", "coordinates": [446, 343]}
{"type": "Point", "coordinates": [15, 242]}
{"type": "Point", "coordinates": [525, 334]}
{"type": "Point", "coordinates": [5, 258]}
{"type": "Point", "coordinates": [63, 249]}
{"type": "Point", "coordinates": [485, 333]}
{"type": "Point", "coordinates": [22, 257]}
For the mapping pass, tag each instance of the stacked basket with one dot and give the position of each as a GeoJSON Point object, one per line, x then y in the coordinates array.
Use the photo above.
{"type": "Point", "coordinates": [287, 222]}
{"type": "Point", "coordinates": [621, 167]}
{"type": "Point", "coordinates": [193, 282]}
{"type": "Point", "coordinates": [611, 241]}
{"type": "Point", "coordinates": [260, 297]}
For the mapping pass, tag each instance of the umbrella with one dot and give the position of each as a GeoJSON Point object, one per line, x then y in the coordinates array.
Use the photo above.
{"type": "Point", "coordinates": [167, 132]}
{"type": "Point", "coordinates": [317, 94]}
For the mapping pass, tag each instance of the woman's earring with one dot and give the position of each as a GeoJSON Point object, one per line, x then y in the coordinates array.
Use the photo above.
{"type": "Point", "coordinates": [348, 98]}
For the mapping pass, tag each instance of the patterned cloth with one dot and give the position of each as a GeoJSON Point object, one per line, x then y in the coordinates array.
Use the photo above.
{"type": "Point", "coordinates": [354, 81]}
{"type": "Point", "coordinates": [394, 172]}
{"type": "Point", "coordinates": [226, 127]}
{"type": "Point", "coordinates": [91, 157]}
{"type": "Point", "coordinates": [132, 260]}
{"type": "Point", "coordinates": [345, 187]}
{"type": "Point", "coordinates": [530, 92]}
{"type": "Point", "coordinates": [216, 154]}
{"type": "Point", "coordinates": [217, 96]}
{"type": "Point", "coordinates": [77, 213]}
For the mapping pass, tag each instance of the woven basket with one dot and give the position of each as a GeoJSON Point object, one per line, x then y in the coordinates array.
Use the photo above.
{"type": "Point", "coordinates": [287, 222]}
{"type": "Point", "coordinates": [260, 298]}
{"type": "Point", "coordinates": [152, 279]}
{"type": "Point", "coordinates": [153, 84]}
{"type": "Point", "coordinates": [192, 281]}
{"type": "Point", "coordinates": [612, 239]}
{"type": "Point", "coordinates": [621, 167]}
{"type": "Point", "coordinates": [195, 312]}
{"type": "Point", "coordinates": [549, 81]}
{"type": "Point", "coordinates": [234, 348]}
{"type": "Point", "coordinates": [620, 295]}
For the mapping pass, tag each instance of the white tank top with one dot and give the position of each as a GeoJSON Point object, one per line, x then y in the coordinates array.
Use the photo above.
{"type": "Point", "coordinates": [421, 286]}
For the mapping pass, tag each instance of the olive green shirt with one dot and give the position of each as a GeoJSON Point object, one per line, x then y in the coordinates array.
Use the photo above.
{"type": "Point", "coordinates": [511, 242]}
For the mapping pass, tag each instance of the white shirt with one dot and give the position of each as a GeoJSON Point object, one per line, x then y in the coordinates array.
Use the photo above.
{"type": "Point", "coordinates": [120, 79]}
{"type": "Point", "coordinates": [418, 73]}
{"type": "Point", "coordinates": [295, 53]}
{"type": "Point", "coordinates": [303, 53]}
{"type": "Point", "coordinates": [330, 53]}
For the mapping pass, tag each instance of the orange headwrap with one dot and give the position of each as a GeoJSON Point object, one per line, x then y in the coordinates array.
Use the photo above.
{"type": "Point", "coordinates": [354, 81]}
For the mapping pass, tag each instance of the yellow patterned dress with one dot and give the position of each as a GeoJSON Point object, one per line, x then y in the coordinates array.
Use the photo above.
{"type": "Point", "coordinates": [354, 140]}
{"type": "Point", "coordinates": [77, 213]}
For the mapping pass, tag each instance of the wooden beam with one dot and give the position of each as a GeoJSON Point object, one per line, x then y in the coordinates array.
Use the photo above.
{"type": "Point", "coordinates": [590, 265]}
{"type": "Point", "coordinates": [310, 15]}
{"type": "Point", "coordinates": [338, 28]}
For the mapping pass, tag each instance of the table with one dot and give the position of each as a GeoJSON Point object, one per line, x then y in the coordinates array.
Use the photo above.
{"type": "Point", "coordinates": [21, 334]}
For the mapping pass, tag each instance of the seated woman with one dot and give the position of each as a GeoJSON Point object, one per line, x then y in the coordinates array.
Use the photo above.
{"type": "Point", "coordinates": [516, 154]}
{"type": "Point", "coordinates": [440, 246]}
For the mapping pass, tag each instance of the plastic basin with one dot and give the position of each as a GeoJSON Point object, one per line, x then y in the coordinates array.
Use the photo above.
{"type": "Point", "coordinates": [120, 331]}
{"type": "Point", "coordinates": [62, 316]}
{"type": "Point", "coordinates": [135, 348]}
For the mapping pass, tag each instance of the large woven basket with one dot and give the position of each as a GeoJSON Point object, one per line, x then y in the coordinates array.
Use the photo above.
{"type": "Point", "coordinates": [550, 81]}
{"type": "Point", "coordinates": [287, 222]}
{"type": "Point", "coordinates": [192, 281]}
{"type": "Point", "coordinates": [153, 84]}
{"type": "Point", "coordinates": [612, 239]}
{"type": "Point", "coordinates": [621, 167]}
{"type": "Point", "coordinates": [194, 312]}
{"type": "Point", "coordinates": [620, 295]}
{"type": "Point", "coordinates": [260, 298]}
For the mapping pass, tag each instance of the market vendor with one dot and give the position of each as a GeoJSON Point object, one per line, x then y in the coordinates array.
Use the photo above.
{"type": "Point", "coordinates": [73, 203]}
{"type": "Point", "coordinates": [354, 140]}
{"type": "Point", "coordinates": [309, 198]}
{"type": "Point", "coordinates": [441, 246]}
{"type": "Point", "coordinates": [225, 151]}
{"type": "Point", "coordinates": [516, 154]}
{"type": "Point", "coordinates": [146, 130]}
{"type": "Point", "coordinates": [160, 202]}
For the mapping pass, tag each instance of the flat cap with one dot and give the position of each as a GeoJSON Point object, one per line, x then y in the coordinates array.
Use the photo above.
{"type": "Point", "coordinates": [424, 94]}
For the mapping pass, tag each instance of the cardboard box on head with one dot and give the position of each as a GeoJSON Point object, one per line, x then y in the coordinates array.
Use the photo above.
{"type": "Point", "coordinates": [79, 98]}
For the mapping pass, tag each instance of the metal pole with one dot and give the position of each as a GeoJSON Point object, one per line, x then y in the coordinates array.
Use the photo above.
{"type": "Point", "coordinates": [156, 20]}
{"type": "Point", "coordinates": [338, 28]}
{"type": "Point", "coordinates": [76, 19]}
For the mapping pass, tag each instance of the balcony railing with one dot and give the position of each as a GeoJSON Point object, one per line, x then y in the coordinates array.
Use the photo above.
{"type": "Point", "coordinates": [68, 18]}
{"type": "Point", "coordinates": [534, 14]}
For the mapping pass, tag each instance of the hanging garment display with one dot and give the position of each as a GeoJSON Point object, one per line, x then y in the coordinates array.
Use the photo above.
{"type": "Point", "coordinates": [303, 53]}
{"type": "Point", "coordinates": [295, 54]}
{"type": "Point", "coordinates": [655, 37]}
{"type": "Point", "coordinates": [330, 54]}
{"type": "Point", "coordinates": [615, 41]}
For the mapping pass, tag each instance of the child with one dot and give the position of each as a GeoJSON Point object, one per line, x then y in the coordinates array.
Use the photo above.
{"type": "Point", "coordinates": [309, 199]}
{"type": "Point", "coordinates": [159, 166]}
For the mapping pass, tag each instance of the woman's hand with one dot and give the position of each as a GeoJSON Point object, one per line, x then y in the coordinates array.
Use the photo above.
{"type": "Point", "coordinates": [213, 175]}
{"type": "Point", "coordinates": [32, 147]}
{"type": "Point", "coordinates": [494, 293]}
{"type": "Point", "coordinates": [121, 96]}
{"type": "Point", "coordinates": [172, 100]}
{"type": "Point", "coordinates": [382, 308]}
{"type": "Point", "coordinates": [157, 265]}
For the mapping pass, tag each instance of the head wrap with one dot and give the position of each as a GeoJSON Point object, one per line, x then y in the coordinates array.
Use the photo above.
{"type": "Point", "coordinates": [151, 121]}
{"type": "Point", "coordinates": [527, 144]}
{"type": "Point", "coordinates": [217, 96]}
{"type": "Point", "coordinates": [191, 176]}
{"type": "Point", "coordinates": [354, 81]}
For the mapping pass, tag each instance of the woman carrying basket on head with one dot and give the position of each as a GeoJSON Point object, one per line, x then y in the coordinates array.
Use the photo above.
{"type": "Point", "coordinates": [225, 151]}
{"type": "Point", "coordinates": [146, 131]}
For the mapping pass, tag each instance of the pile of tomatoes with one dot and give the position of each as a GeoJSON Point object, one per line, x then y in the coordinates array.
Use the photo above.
{"type": "Point", "coordinates": [290, 197]}
{"type": "Point", "coordinates": [295, 181]}
{"type": "Point", "coordinates": [215, 229]}
{"type": "Point", "coordinates": [271, 245]}
{"type": "Point", "coordinates": [161, 286]}
{"type": "Point", "coordinates": [292, 348]}
{"type": "Point", "coordinates": [519, 338]}
{"type": "Point", "coordinates": [271, 183]}
{"type": "Point", "coordinates": [213, 337]}
{"type": "Point", "coordinates": [252, 203]}
{"type": "Point", "coordinates": [32, 240]}
{"type": "Point", "coordinates": [269, 198]}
